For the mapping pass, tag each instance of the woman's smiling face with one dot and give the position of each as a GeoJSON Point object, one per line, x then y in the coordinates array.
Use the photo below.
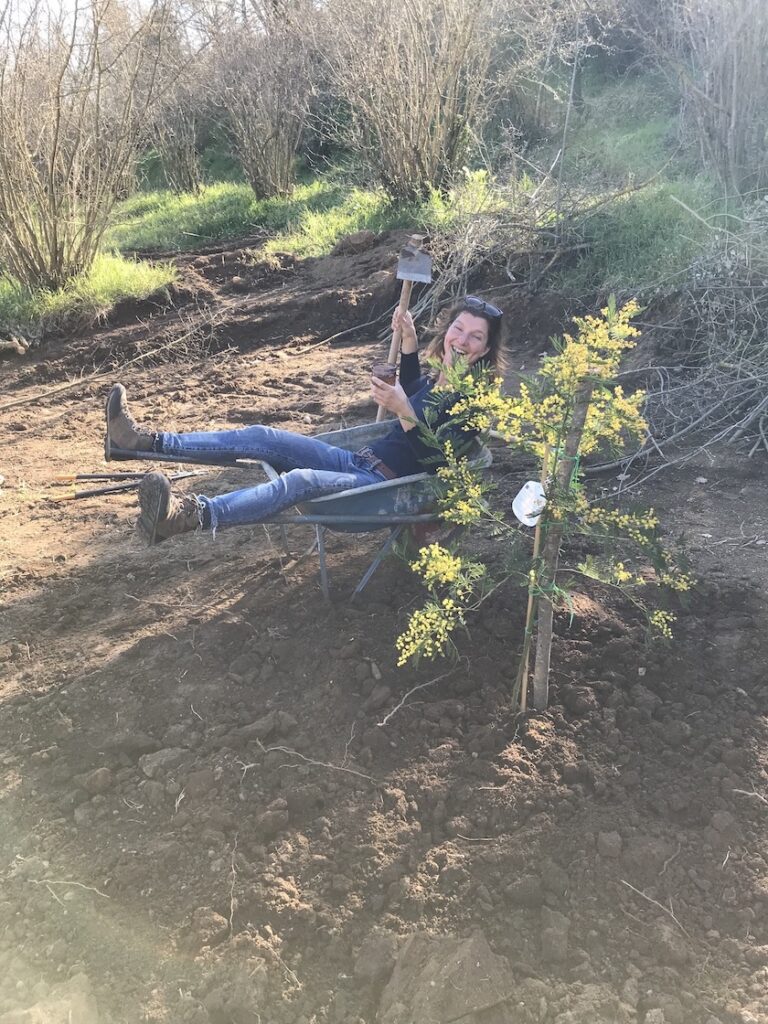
{"type": "Point", "coordinates": [467, 337]}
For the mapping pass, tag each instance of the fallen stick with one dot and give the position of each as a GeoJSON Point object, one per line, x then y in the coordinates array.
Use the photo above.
{"type": "Point", "coordinates": [127, 485]}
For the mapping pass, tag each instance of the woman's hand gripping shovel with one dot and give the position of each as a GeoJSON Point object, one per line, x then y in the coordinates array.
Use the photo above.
{"type": "Point", "coordinates": [414, 265]}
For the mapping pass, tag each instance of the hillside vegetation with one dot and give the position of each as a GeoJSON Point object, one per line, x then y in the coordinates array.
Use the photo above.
{"type": "Point", "coordinates": [568, 147]}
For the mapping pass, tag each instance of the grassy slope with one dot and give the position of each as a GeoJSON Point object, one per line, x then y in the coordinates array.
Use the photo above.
{"type": "Point", "coordinates": [84, 299]}
{"type": "Point", "coordinates": [307, 223]}
{"type": "Point", "coordinates": [625, 137]}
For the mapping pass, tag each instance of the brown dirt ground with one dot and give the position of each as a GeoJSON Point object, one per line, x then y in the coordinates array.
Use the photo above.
{"type": "Point", "coordinates": [204, 818]}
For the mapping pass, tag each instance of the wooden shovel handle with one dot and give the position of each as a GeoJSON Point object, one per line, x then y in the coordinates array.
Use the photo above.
{"type": "Point", "coordinates": [402, 307]}
{"type": "Point", "coordinates": [394, 348]}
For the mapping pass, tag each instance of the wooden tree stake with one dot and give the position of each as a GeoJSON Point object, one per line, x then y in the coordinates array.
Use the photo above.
{"type": "Point", "coordinates": [521, 684]}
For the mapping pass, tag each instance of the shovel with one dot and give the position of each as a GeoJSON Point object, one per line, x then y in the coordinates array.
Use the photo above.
{"type": "Point", "coordinates": [414, 265]}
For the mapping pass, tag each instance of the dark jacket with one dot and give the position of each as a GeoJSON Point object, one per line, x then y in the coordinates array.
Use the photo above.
{"type": "Point", "coordinates": [408, 451]}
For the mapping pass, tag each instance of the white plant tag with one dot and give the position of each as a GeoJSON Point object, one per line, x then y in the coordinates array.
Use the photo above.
{"type": "Point", "coordinates": [529, 503]}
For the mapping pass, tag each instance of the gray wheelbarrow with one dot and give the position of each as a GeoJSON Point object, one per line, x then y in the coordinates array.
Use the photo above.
{"type": "Point", "coordinates": [393, 505]}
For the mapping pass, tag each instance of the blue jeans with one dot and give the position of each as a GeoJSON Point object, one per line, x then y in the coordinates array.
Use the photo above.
{"type": "Point", "coordinates": [308, 468]}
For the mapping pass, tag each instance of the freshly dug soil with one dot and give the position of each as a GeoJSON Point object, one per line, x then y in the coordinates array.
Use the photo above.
{"type": "Point", "coordinates": [220, 802]}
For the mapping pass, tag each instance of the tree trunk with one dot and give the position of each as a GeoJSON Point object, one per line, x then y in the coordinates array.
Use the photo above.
{"type": "Point", "coordinates": [551, 551]}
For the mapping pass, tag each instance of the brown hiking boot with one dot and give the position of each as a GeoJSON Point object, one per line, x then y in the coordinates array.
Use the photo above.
{"type": "Point", "coordinates": [161, 514]}
{"type": "Point", "coordinates": [122, 429]}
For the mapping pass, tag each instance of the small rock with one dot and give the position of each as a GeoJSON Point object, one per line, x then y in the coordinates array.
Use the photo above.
{"type": "Point", "coordinates": [378, 698]}
{"type": "Point", "coordinates": [609, 844]}
{"type": "Point", "coordinates": [207, 928]}
{"type": "Point", "coordinates": [554, 945]}
{"type": "Point", "coordinates": [676, 734]}
{"type": "Point", "coordinates": [261, 728]}
{"type": "Point", "coordinates": [285, 723]}
{"type": "Point", "coordinates": [71, 800]}
{"type": "Point", "coordinates": [395, 800]}
{"type": "Point", "coordinates": [671, 947]}
{"type": "Point", "coordinates": [526, 891]}
{"type": "Point", "coordinates": [97, 781]}
{"type": "Point", "coordinates": [554, 919]}
{"type": "Point", "coordinates": [161, 760]}
{"type": "Point", "coordinates": [181, 735]}
{"type": "Point", "coordinates": [723, 821]}
{"type": "Point", "coordinates": [362, 671]}
{"type": "Point", "coordinates": [29, 867]}
{"type": "Point", "coordinates": [654, 1017]}
{"type": "Point", "coordinates": [554, 879]}
{"type": "Point", "coordinates": [579, 700]}
{"type": "Point", "coordinates": [279, 722]}
{"type": "Point", "coordinates": [62, 727]}
{"type": "Point", "coordinates": [154, 793]}
{"type": "Point", "coordinates": [351, 245]}
{"type": "Point", "coordinates": [200, 783]}
{"type": "Point", "coordinates": [83, 814]}
{"type": "Point", "coordinates": [375, 959]}
{"type": "Point", "coordinates": [270, 823]}
{"type": "Point", "coordinates": [644, 698]}
{"type": "Point", "coordinates": [554, 935]}
{"type": "Point", "coordinates": [131, 743]}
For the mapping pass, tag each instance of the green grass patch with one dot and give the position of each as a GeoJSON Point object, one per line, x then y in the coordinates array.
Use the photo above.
{"type": "Point", "coordinates": [627, 129]}
{"type": "Point", "coordinates": [315, 231]}
{"type": "Point", "coordinates": [162, 221]}
{"type": "Point", "coordinates": [84, 299]}
{"type": "Point", "coordinates": [308, 222]}
{"type": "Point", "coordinates": [641, 241]}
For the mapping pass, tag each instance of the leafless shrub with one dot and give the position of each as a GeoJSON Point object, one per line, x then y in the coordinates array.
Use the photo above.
{"type": "Point", "coordinates": [715, 51]}
{"type": "Point", "coordinates": [262, 82]}
{"type": "Point", "coordinates": [419, 80]}
{"type": "Point", "coordinates": [75, 86]}
{"type": "Point", "coordinates": [179, 111]}
{"type": "Point", "coordinates": [711, 386]}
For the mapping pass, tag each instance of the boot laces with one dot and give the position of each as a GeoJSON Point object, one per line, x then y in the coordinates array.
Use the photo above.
{"type": "Point", "coordinates": [189, 508]}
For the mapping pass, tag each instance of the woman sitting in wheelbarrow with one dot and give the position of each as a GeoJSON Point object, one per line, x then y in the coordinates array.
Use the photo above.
{"type": "Point", "coordinates": [310, 468]}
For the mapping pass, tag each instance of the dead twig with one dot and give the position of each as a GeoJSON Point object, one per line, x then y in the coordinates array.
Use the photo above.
{"type": "Point", "coordinates": [232, 882]}
{"type": "Point", "coordinates": [306, 760]}
{"type": "Point", "coordinates": [656, 903]}
{"type": "Point", "coordinates": [752, 793]}
{"type": "Point", "coordinates": [414, 689]}
{"type": "Point", "coordinates": [669, 860]}
{"type": "Point", "coordinates": [47, 882]}
{"type": "Point", "coordinates": [341, 334]}
{"type": "Point", "coordinates": [101, 374]}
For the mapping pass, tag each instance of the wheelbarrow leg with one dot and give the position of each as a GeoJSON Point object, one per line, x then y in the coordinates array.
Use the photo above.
{"type": "Point", "coordinates": [320, 534]}
{"type": "Point", "coordinates": [380, 556]}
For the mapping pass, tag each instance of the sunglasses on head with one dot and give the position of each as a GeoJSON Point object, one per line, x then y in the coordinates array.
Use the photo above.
{"type": "Point", "coordinates": [475, 302]}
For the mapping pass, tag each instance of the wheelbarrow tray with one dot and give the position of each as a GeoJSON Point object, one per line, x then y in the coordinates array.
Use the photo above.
{"type": "Point", "coordinates": [402, 497]}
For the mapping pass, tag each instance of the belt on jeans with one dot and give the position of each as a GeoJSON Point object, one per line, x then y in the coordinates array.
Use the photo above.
{"type": "Point", "coordinates": [374, 462]}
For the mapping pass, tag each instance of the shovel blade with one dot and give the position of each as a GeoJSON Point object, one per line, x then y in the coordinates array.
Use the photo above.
{"type": "Point", "coordinates": [414, 265]}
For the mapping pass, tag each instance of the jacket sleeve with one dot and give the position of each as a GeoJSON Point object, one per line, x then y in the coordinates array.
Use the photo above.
{"type": "Point", "coordinates": [436, 418]}
{"type": "Point", "coordinates": [410, 371]}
